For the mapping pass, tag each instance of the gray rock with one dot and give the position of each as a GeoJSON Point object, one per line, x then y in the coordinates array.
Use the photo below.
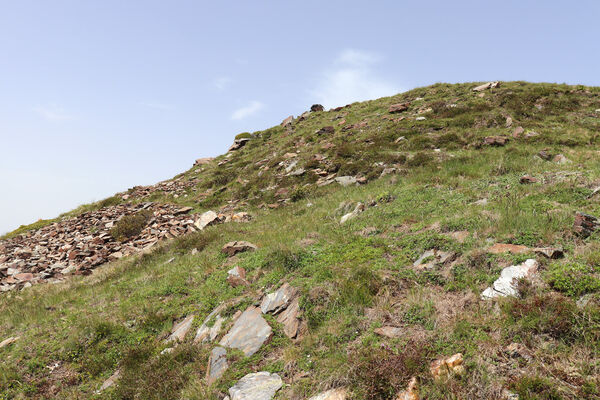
{"type": "Point", "coordinates": [181, 329]}
{"type": "Point", "coordinates": [110, 381]}
{"type": "Point", "coordinates": [345, 180]}
{"type": "Point", "coordinates": [248, 333]}
{"type": "Point", "coordinates": [256, 386]}
{"type": "Point", "coordinates": [206, 333]}
{"type": "Point", "coordinates": [217, 364]}
{"type": "Point", "coordinates": [290, 320]}
{"type": "Point", "coordinates": [506, 284]}
{"type": "Point", "coordinates": [277, 301]}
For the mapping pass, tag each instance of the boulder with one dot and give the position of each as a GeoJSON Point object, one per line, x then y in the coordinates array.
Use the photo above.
{"type": "Point", "coordinates": [332, 394]}
{"type": "Point", "coordinates": [217, 365]}
{"type": "Point", "coordinates": [248, 333]}
{"type": "Point", "coordinates": [518, 131]}
{"type": "Point", "coordinates": [346, 180]}
{"type": "Point", "coordinates": [287, 121]}
{"type": "Point", "coordinates": [238, 246]}
{"type": "Point", "coordinates": [203, 161]}
{"type": "Point", "coordinates": [316, 108]}
{"type": "Point", "coordinates": [506, 284]}
{"type": "Point", "coordinates": [278, 300]}
{"type": "Point", "coordinates": [206, 219]}
{"type": "Point", "coordinates": [256, 386]}
{"type": "Point", "coordinates": [290, 319]}
{"type": "Point", "coordinates": [206, 333]}
{"type": "Point", "coordinates": [399, 107]}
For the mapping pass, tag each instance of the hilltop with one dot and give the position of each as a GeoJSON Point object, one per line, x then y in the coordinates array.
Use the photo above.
{"type": "Point", "coordinates": [436, 244]}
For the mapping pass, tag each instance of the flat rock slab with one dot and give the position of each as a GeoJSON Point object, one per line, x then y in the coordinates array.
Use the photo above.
{"type": "Point", "coordinates": [110, 381]}
{"type": "Point", "coordinates": [332, 394]}
{"type": "Point", "coordinates": [290, 320]}
{"type": "Point", "coordinates": [207, 334]}
{"type": "Point", "coordinates": [257, 386]}
{"type": "Point", "coordinates": [238, 246]}
{"type": "Point", "coordinates": [217, 365]}
{"type": "Point", "coordinates": [206, 219]}
{"type": "Point", "coordinates": [506, 284]}
{"type": "Point", "coordinates": [248, 333]}
{"type": "Point", "coordinates": [181, 329]}
{"type": "Point", "coordinates": [389, 331]}
{"type": "Point", "coordinates": [8, 341]}
{"type": "Point", "coordinates": [500, 248]}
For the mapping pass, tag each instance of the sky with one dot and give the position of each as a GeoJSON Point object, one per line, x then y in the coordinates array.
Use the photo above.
{"type": "Point", "coordinates": [99, 96]}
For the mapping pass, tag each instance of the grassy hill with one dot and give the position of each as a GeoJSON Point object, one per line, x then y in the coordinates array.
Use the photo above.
{"type": "Point", "coordinates": [457, 172]}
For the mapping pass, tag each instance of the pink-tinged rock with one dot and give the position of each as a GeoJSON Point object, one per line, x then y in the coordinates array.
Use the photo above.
{"type": "Point", "coordinates": [24, 277]}
{"type": "Point", "coordinates": [181, 329]}
{"type": "Point", "coordinates": [287, 121]}
{"type": "Point", "coordinates": [399, 107]}
{"type": "Point", "coordinates": [238, 246]}
{"type": "Point", "coordinates": [248, 333]}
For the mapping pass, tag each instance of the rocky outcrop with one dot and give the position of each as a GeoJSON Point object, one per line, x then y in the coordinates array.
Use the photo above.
{"type": "Point", "coordinates": [485, 86]}
{"type": "Point", "coordinates": [399, 107]}
{"type": "Point", "coordinates": [238, 144]}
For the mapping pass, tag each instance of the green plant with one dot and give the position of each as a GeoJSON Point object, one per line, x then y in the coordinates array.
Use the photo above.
{"type": "Point", "coordinates": [130, 225]}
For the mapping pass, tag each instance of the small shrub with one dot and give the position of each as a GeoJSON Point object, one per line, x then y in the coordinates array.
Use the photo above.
{"type": "Point", "coordinates": [574, 279]}
{"type": "Point", "coordinates": [243, 135]}
{"type": "Point", "coordinates": [130, 225]}
{"type": "Point", "coordinates": [536, 388]}
{"type": "Point", "coordinates": [380, 373]}
{"type": "Point", "coordinates": [420, 159]}
{"type": "Point", "coordinates": [299, 193]}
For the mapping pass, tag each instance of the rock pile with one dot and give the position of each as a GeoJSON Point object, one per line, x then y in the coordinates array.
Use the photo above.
{"type": "Point", "coordinates": [80, 244]}
{"type": "Point", "coordinates": [178, 187]}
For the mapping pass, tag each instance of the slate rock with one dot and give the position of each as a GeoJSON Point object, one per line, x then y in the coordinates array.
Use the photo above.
{"type": "Point", "coordinates": [256, 386]}
{"type": "Point", "coordinates": [345, 180]}
{"type": "Point", "coordinates": [181, 329]}
{"type": "Point", "coordinates": [332, 394]}
{"type": "Point", "coordinates": [278, 300]}
{"type": "Point", "coordinates": [217, 365]}
{"type": "Point", "coordinates": [248, 333]}
{"type": "Point", "coordinates": [238, 246]}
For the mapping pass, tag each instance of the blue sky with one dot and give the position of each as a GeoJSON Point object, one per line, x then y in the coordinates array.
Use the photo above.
{"type": "Point", "coordinates": [99, 96]}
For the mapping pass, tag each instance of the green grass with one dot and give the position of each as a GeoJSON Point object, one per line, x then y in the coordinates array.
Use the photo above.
{"type": "Point", "coordinates": [349, 283]}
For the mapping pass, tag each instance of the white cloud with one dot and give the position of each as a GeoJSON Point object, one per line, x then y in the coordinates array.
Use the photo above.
{"type": "Point", "coordinates": [352, 78]}
{"type": "Point", "coordinates": [158, 106]}
{"type": "Point", "coordinates": [222, 82]}
{"type": "Point", "coordinates": [248, 110]}
{"type": "Point", "coordinates": [53, 112]}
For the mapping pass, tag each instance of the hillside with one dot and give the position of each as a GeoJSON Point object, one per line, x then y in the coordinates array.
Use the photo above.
{"type": "Point", "coordinates": [436, 244]}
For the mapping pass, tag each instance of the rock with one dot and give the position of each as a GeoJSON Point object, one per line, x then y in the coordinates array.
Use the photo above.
{"type": "Point", "coordinates": [411, 392]}
{"type": "Point", "coordinates": [434, 257]}
{"type": "Point", "coordinates": [399, 107]}
{"type": "Point", "coordinates": [485, 86]}
{"type": "Point", "coordinates": [585, 224]}
{"type": "Point", "coordinates": [346, 180]}
{"type": "Point", "coordinates": [24, 277]}
{"type": "Point", "coordinates": [517, 350]}
{"type": "Point", "coordinates": [506, 284]}
{"type": "Point", "coordinates": [287, 121]}
{"type": "Point", "coordinates": [237, 277]}
{"type": "Point", "coordinates": [248, 333]}
{"type": "Point", "coordinates": [561, 159]}
{"type": "Point", "coordinates": [459, 236]}
{"type": "Point", "coordinates": [183, 210]}
{"type": "Point", "coordinates": [110, 381]}
{"type": "Point", "coordinates": [509, 122]}
{"type": "Point", "coordinates": [495, 140]}
{"type": "Point", "coordinates": [549, 252]}
{"type": "Point", "coordinates": [277, 301]}
{"type": "Point", "coordinates": [205, 333]}
{"type": "Point", "coordinates": [544, 155]}
{"type": "Point", "coordinates": [256, 386]}
{"type": "Point", "coordinates": [389, 331]}
{"type": "Point", "coordinates": [360, 207]}
{"type": "Point", "coordinates": [9, 341]}
{"type": "Point", "coordinates": [518, 131]}
{"type": "Point", "coordinates": [481, 202]}
{"type": "Point", "coordinates": [332, 394]}
{"type": "Point", "coordinates": [500, 248]}
{"type": "Point", "coordinates": [445, 368]}
{"type": "Point", "coordinates": [206, 219]}
{"type": "Point", "coordinates": [326, 130]}
{"type": "Point", "coordinates": [420, 119]}
{"type": "Point", "coordinates": [238, 144]}
{"type": "Point", "coordinates": [217, 365]}
{"type": "Point", "coordinates": [203, 161]}
{"type": "Point", "coordinates": [316, 108]}
{"type": "Point", "coordinates": [181, 329]}
{"type": "Point", "coordinates": [241, 217]}
{"type": "Point", "coordinates": [527, 179]}
{"type": "Point", "coordinates": [290, 319]}
{"type": "Point", "coordinates": [238, 246]}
